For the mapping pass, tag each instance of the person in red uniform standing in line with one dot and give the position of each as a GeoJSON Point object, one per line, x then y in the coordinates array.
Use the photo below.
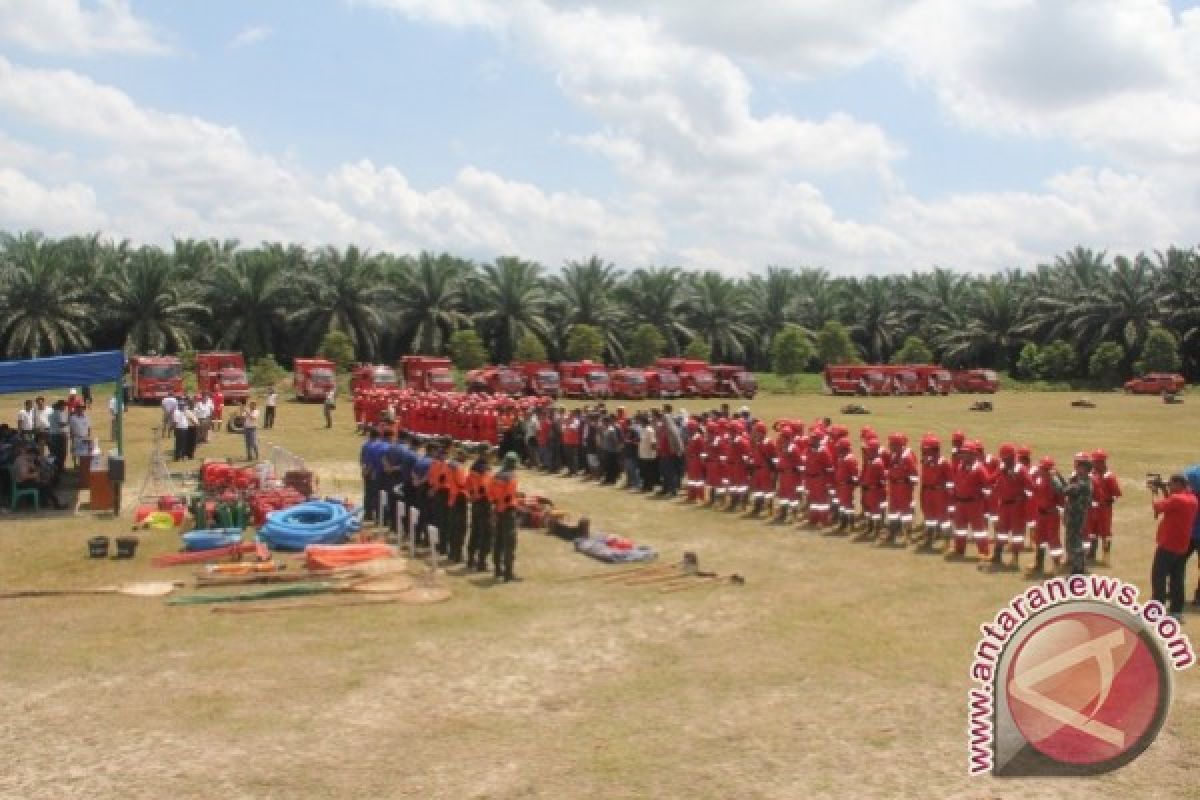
{"type": "Point", "coordinates": [1011, 489]}
{"type": "Point", "coordinates": [936, 483]}
{"type": "Point", "coordinates": [1025, 459]}
{"type": "Point", "coordinates": [969, 480]}
{"type": "Point", "coordinates": [740, 459]}
{"type": "Point", "coordinates": [845, 478]}
{"type": "Point", "coordinates": [902, 477]}
{"type": "Point", "coordinates": [874, 487]}
{"type": "Point", "coordinates": [762, 476]}
{"type": "Point", "coordinates": [693, 462]}
{"type": "Point", "coordinates": [712, 464]}
{"type": "Point", "coordinates": [818, 479]}
{"type": "Point", "coordinates": [1048, 494]}
{"type": "Point", "coordinates": [1105, 491]}
{"type": "Point", "coordinates": [789, 476]}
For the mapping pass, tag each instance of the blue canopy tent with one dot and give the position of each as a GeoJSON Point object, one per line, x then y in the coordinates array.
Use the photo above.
{"type": "Point", "coordinates": [34, 374]}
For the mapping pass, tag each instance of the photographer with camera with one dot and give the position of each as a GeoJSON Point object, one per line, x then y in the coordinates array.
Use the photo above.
{"type": "Point", "coordinates": [1175, 506]}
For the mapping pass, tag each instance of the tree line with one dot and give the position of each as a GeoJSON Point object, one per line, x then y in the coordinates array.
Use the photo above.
{"type": "Point", "coordinates": [88, 292]}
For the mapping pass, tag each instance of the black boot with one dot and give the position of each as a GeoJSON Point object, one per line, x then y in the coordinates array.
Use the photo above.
{"type": "Point", "coordinates": [1039, 562]}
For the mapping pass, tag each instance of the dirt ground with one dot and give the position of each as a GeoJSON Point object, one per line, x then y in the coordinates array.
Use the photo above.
{"type": "Point", "coordinates": [839, 670]}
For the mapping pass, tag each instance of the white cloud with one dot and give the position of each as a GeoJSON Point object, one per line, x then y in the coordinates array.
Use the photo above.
{"type": "Point", "coordinates": [251, 35]}
{"type": "Point", "coordinates": [28, 204]}
{"type": "Point", "coordinates": [68, 27]}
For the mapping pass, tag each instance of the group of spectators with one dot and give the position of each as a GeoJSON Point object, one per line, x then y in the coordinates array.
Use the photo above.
{"type": "Point", "coordinates": [646, 449]}
{"type": "Point", "coordinates": [34, 454]}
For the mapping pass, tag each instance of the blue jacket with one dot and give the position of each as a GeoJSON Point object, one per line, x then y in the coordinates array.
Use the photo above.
{"type": "Point", "coordinates": [1192, 474]}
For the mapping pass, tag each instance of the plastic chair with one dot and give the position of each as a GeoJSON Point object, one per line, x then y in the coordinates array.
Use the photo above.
{"type": "Point", "coordinates": [19, 493]}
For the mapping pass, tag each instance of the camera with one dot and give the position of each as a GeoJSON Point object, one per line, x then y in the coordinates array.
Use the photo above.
{"type": "Point", "coordinates": [1155, 482]}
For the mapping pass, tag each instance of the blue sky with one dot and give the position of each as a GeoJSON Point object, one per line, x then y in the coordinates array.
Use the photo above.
{"type": "Point", "coordinates": [859, 135]}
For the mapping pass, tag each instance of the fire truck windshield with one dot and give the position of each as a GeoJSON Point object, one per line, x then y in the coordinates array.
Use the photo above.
{"type": "Point", "coordinates": [384, 377]}
{"type": "Point", "coordinates": [322, 375]}
{"type": "Point", "coordinates": [232, 377]}
{"type": "Point", "coordinates": [161, 372]}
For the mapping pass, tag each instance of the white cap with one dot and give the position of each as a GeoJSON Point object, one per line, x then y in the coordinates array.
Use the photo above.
{"type": "Point", "coordinates": [744, 410]}
{"type": "Point", "coordinates": [73, 391]}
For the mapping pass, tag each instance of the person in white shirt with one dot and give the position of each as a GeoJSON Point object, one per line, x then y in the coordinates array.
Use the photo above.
{"type": "Point", "coordinates": [41, 417]}
{"type": "Point", "coordinates": [269, 417]}
{"type": "Point", "coordinates": [203, 418]}
{"type": "Point", "coordinates": [112, 418]}
{"type": "Point", "coordinates": [25, 420]}
{"type": "Point", "coordinates": [179, 423]}
{"type": "Point", "coordinates": [59, 434]}
{"type": "Point", "coordinates": [169, 406]}
{"type": "Point", "coordinates": [250, 431]}
{"type": "Point", "coordinates": [81, 430]}
{"type": "Point", "coordinates": [329, 405]}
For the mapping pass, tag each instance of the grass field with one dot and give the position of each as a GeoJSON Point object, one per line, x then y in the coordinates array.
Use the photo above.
{"type": "Point", "coordinates": [839, 670]}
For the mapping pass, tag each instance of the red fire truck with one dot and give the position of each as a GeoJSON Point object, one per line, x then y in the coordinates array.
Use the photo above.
{"type": "Point", "coordinates": [905, 380]}
{"type": "Point", "coordinates": [151, 378]}
{"type": "Point", "coordinates": [934, 379]}
{"type": "Point", "coordinates": [662, 383]}
{"type": "Point", "coordinates": [541, 379]}
{"type": "Point", "coordinates": [427, 373]}
{"type": "Point", "coordinates": [695, 377]}
{"type": "Point", "coordinates": [312, 378]}
{"type": "Point", "coordinates": [372, 376]}
{"type": "Point", "coordinates": [733, 381]}
{"type": "Point", "coordinates": [629, 384]}
{"type": "Point", "coordinates": [226, 371]}
{"type": "Point", "coordinates": [495, 380]}
{"type": "Point", "coordinates": [858, 379]}
{"type": "Point", "coordinates": [584, 379]}
{"type": "Point", "coordinates": [979, 381]}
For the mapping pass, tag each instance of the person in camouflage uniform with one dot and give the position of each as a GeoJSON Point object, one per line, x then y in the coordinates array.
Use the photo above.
{"type": "Point", "coordinates": [1078, 502]}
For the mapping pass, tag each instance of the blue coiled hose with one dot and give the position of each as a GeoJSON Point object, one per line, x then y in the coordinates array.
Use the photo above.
{"type": "Point", "coordinates": [314, 522]}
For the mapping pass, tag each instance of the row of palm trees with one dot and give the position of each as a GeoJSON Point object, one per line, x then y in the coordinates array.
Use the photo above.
{"type": "Point", "coordinates": [86, 292]}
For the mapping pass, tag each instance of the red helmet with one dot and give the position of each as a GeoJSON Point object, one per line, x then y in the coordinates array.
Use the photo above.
{"type": "Point", "coordinates": [816, 433]}
{"type": "Point", "coordinates": [787, 432]}
{"type": "Point", "coordinates": [1046, 463]}
{"type": "Point", "coordinates": [760, 427]}
{"type": "Point", "coordinates": [872, 443]}
{"type": "Point", "coordinates": [866, 433]}
{"type": "Point", "coordinates": [1083, 458]}
{"type": "Point", "coordinates": [839, 431]}
{"type": "Point", "coordinates": [958, 437]}
{"type": "Point", "coordinates": [692, 424]}
{"type": "Point", "coordinates": [1024, 452]}
{"type": "Point", "coordinates": [844, 444]}
{"type": "Point", "coordinates": [973, 446]}
{"type": "Point", "coordinates": [1100, 456]}
{"type": "Point", "coordinates": [930, 442]}
{"type": "Point", "coordinates": [712, 429]}
{"type": "Point", "coordinates": [1008, 451]}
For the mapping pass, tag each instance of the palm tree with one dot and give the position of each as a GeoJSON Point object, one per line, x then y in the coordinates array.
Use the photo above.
{"type": "Point", "coordinates": [658, 295]}
{"type": "Point", "coordinates": [817, 298]}
{"type": "Point", "coordinates": [1121, 307]}
{"type": "Point", "coordinates": [717, 312]}
{"type": "Point", "coordinates": [429, 301]}
{"type": "Point", "coordinates": [151, 305]}
{"type": "Point", "coordinates": [515, 300]}
{"type": "Point", "coordinates": [252, 296]}
{"type": "Point", "coordinates": [43, 311]}
{"type": "Point", "coordinates": [1178, 299]}
{"type": "Point", "coordinates": [989, 335]}
{"type": "Point", "coordinates": [584, 293]}
{"type": "Point", "coordinates": [771, 303]}
{"type": "Point", "coordinates": [870, 314]}
{"type": "Point", "coordinates": [343, 292]}
{"type": "Point", "coordinates": [198, 260]}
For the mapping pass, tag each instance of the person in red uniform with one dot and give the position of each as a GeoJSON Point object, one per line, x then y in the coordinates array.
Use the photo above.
{"type": "Point", "coordinates": [1105, 491]}
{"type": "Point", "coordinates": [1012, 487]}
{"type": "Point", "coordinates": [845, 479]}
{"type": "Point", "coordinates": [936, 483]}
{"type": "Point", "coordinates": [740, 458]}
{"type": "Point", "coordinates": [991, 463]}
{"type": "Point", "coordinates": [712, 464]}
{"type": "Point", "coordinates": [1176, 513]}
{"type": "Point", "coordinates": [693, 462]}
{"type": "Point", "coordinates": [874, 486]}
{"type": "Point", "coordinates": [762, 477]}
{"type": "Point", "coordinates": [789, 475]}
{"type": "Point", "coordinates": [957, 440]}
{"type": "Point", "coordinates": [1025, 459]}
{"type": "Point", "coordinates": [818, 479]}
{"type": "Point", "coordinates": [902, 477]}
{"type": "Point", "coordinates": [970, 477]}
{"type": "Point", "coordinates": [1048, 493]}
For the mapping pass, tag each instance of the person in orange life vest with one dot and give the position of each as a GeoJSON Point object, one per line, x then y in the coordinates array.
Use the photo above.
{"type": "Point", "coordinates": [873, 480]}
{"type": "Point", "coordinates": [502, 491]}
{"type": "Point", "coordinates": [970, 478]}
{"type": "Point", "coordinates": [571, 431]}
{"type": "Point", "coordinates": [1012, 486]}
{"type": "Point", "coordinates": [830, 445]}
{"type": "Point", "coordinates": [439, 488]}
{"type": "Point", "coordinates": [763, 478]}
{"type": "Point", "coordinates": [693, 462]}
{"type": "Point", "coordinates": [902, 477]}
{"type": "Point", "coordinates": [740, 458]}
{"type": "Point", "coordinates": [1105, 491]}
{"type": "Point", "coordinates": [456, 505]}
{"type": "Point", "coordinates": [785, 493]}
{"type": "Point", "coordinates": [845, 480]}
{"type": "Point", "coordinates": [992, 464]}
{"type": "Point", "coordinates": [818, 479]}
{"type": "Point", "coordinates": [1025, 459]}
{"type": "Point", "coordinates": [480, 543]}
{"type": "Point", "coordinates": [218, 400]}
{"type": "Point", "coordinates": [1049, 494]}
{"type": "Point", "coordinates": [936, 483]}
